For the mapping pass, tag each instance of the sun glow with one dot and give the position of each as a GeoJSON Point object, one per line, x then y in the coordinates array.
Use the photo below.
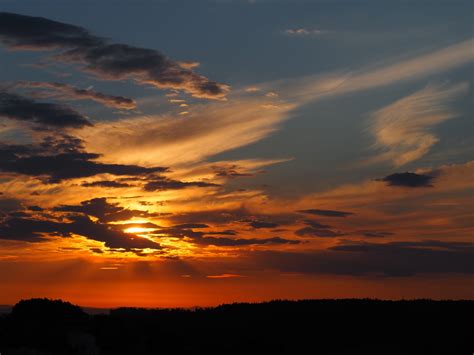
{"type": "Point", "coordinates": [138, 230]}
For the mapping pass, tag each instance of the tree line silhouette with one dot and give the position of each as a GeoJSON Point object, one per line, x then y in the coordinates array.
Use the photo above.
{"type": "Point", "coordinates": [347, 326]}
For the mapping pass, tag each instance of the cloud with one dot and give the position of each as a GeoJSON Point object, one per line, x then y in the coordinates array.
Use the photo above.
{"type": "Point", "coordinates": [68, 220]}
{"type": "Point", "coordinates": [104, 59]}
{"type": "Point", "coordinates": [26, 32]}
{"type": "Point", "coordinates": [230, 171]}
{"type": "Point", "coordinates": [205, 238]}
{"type": "Point", "coordinates": [66, 91]}
{"type": "Point", "coordinates": [160, 183]}
{"type": "Point", "coordinates": [61, 159]}
{"type": "Point", "coordinates": [238, 215]}
{"type": "Point", "coordinates": [374, 234]}
{"type": "Point", "coordinates": [235, 242]}
{"type": "Point", "coordinates": [201, 134]}
{"type": "Point", "coordinates": [191, 226]}
{"type": "Point", "coordinates": [39, 230]}
{"type": "Point", "coordinates": [224, 276]}
{"type": "Point", "coordinates": [65, 166]}
{"type": "Point", "coordinates": [8, 205]}
{"type": "Point", "coordinates": [326, 213]}
{"type": "Point", "coordinates": [408, 180]}
{"type": "Point", "coordinates": [224, 232]}
{"type": "Point", "coordinates": [394, 259]}
{"type": "Point", "coordinates": [50, 115]}
{"type": "Point", "coordinates": [319, 87]}
{"type": "Point", "coordinates": [262, 224]}
{"type": "Point", "coordinates": [402, 129]}
{"type": "Point", "coordinates": [303, 32]}
{"type": "Point", "coordinates": [104, 211]}
{"type": "Point", "coordinates": [316, 224]}
{"type": "Point", "coordinates": [317, 232]}
{"type": "Point", "coordinates": [204, 132]}
{"type": "Point", "coordinates": [313, 88]}
{"type": "Point", "coordinates": [106, 184]}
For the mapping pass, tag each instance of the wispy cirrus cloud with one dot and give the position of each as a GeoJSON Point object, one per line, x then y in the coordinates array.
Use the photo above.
{"type": "Point", "coordinates": [304, 32]}
{"type": "Point", "coordinates": [250, 118]}
{"type": "Point", "coordinates": [320, 87]}
{"type": "Point", "coordinates": [201, 134]}
{"type": "Point", "coordinates": [403, 129]}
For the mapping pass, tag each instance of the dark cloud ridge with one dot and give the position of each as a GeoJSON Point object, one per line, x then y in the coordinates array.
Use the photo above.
{"type": "Point", "coordinates": [408, 180]}
{"type": "Point", "coordinates": [58, 159]}
{"type": "Point", "coordinates": [394, 259]}
{"type": "Point", "coordinates": [66, 91]}
{"type": "Point", "coordinates": [23, 225]}
{"type": "Point", "coordinates": [326, 213]}
{"type": "Point", "coordinates": [23, 109]}
{"type": "Point", "coordinates": [102, 58]}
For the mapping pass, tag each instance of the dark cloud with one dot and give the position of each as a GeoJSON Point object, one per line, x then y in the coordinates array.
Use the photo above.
{"type": "Point", "coordinates": [141, 225]}
{"type": "Point", "coordinates": [235, 242]}
{"type": "Point", "coordinates": [374, 234]}
{"type": "Point", "coordinates": [229, 171]}
{"type": "Point", "coordinates": [316, 224]}
{"type": "Point", "coordinates": [105, 183]}
{"type": "Point", "coordinates": [55, 160]}
{"type": "Point", "coordinates": [236, 215]}
{"type": "Point", "coordinates": [224, 232]}
{"type": "Point", "coordinates": [103, 210]}
{"type": "Point", "coordinates": [8, 205]}
{"type": "Point", "coordinates": [219, 216]}
{"type": "Point", "coordinates": [50, 115]}
{"type": "Point", "coordinates": [207, 238]}
{"type": "Point", "coordinates": [36, 230]}
{"type": "Point", "coordinates": [396, 259]}
{"type": "Point", "coordinates": [161, 183]}
{"type": "Point", "coordinates": [65, 91]}
{"type": "Point", "coordinates": [408, 180]}
{"type": "Point", "coordinates": [26, 32]}
{"type": "Point", "coordinates": [106, 60]}
{"type": "Point", "coordinates": [262, 224]}
{"type": "Point", "coordinates": [191, 226]}
{"type": "Point", "coordinates": [317, 232]}
{"type": "Point", "coordinates": [326, 213]}
{"type": "Point", "coordinates": [24, 225]}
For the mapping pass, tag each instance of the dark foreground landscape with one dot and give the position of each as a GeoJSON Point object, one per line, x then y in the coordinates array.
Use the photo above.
{"type": "Point", "coordinates": [352, 326]}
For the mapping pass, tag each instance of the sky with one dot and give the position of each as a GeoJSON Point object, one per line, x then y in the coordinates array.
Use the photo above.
{"type": "Point", "coordinates": [193, 153]}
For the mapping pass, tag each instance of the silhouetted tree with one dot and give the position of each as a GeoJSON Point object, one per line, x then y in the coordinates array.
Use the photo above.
{"type": "Point", "coordinates": [348, 326]}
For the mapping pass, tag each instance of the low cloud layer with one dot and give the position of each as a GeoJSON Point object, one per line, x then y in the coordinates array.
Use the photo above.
{"type": "Point", "coordinates": [326, 213]}
{"type": "Point", "coordinates": [394, 259]}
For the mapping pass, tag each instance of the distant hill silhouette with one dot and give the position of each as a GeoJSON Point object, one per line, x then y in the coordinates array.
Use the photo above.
{"type": "Point", "coordinates": [350, 326]}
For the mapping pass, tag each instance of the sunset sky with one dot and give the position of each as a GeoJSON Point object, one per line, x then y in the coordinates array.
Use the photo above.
{"type": "Point", "coordinates": [183, 153]}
